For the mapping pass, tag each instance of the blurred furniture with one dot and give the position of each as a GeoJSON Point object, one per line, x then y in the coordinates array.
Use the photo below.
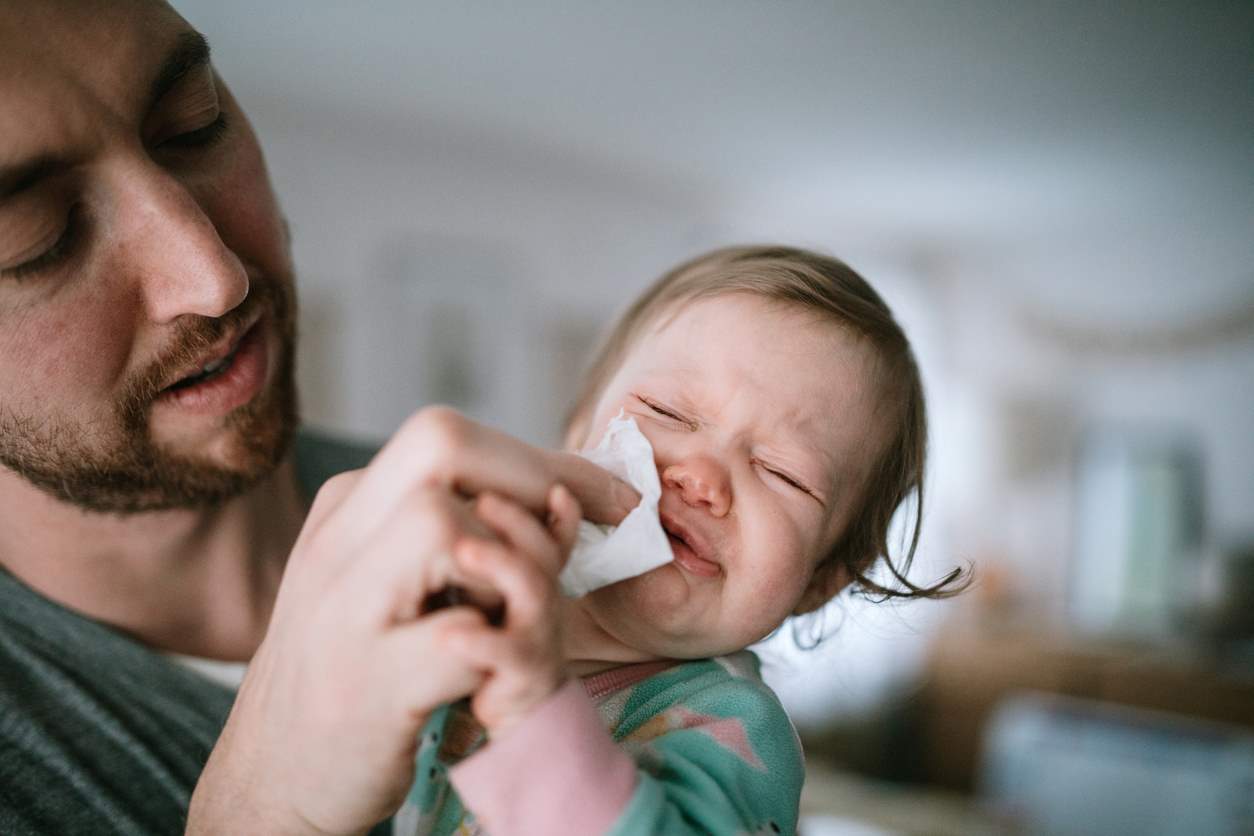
{"type": "Point", "coordinates": [982, 660]}
{"type": "Point", "coordinates": [1068, 767]}
{"type": "Point", "coordinates": [837, 802]}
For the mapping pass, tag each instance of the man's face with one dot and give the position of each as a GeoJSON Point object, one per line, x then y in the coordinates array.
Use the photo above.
{"type": "Point", "coordinates": [764, 421]}
{"type": "Point", "coordinates": [140, 243]}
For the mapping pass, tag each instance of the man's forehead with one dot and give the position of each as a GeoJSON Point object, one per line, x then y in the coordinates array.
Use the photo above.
{"type": "Point", "coordinates": [69, 65]}
{"type": "Point", "coordinates": [62, 29]}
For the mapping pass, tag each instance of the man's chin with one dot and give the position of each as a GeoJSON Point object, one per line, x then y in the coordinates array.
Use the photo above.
{"type": "Point", "coordinates": [153, 466]}
{"type": "Point", "coordinates": [201, 464]}
{"type": "Point", "coordinates": [216, 445]}
{"type": "Point", "coordinates": [202, 476]}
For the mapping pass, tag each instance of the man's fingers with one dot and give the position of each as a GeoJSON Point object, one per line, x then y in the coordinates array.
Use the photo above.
{"type": "Point", "coordinates": [519, 529]}
{"type": "Point", "coordinates": [428, 673]}
{"type": "Point", "coordinates": [482, 649]}
{"type": "Point", "coordinates": [602, 496]}
{"type": "Point", "coordinates": [439, 447]}
{"type": "Point", "coordinates": [563, 519]}
{"type": "Point", "coordinates": [409, 557]}
{"type": "Point", "coordinates": [326, 502]}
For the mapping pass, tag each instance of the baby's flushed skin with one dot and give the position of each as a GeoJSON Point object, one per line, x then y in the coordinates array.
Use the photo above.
{"type": "Point", "coordinates": [763, 425]}
{"type": "Point", "coordinates": [786, 415]}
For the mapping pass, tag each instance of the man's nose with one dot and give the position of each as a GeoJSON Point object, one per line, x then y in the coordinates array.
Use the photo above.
{"type": "Point", "coordinates": [181, 262]}
{"type": "Point", "coordinates": [700, 480]}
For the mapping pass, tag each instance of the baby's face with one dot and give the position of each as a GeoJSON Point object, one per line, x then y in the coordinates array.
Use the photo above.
{"type": "Point", "coordinates": [763, 423]}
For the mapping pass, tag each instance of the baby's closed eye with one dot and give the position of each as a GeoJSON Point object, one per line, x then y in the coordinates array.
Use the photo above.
{"type": "Point", "coordinates": [658, 408]}
{"type": "Point", "coordinates": [788, 479]}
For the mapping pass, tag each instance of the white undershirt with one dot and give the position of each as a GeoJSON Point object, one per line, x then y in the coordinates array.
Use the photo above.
{"type": "Point", "coordinates": [227, 674]}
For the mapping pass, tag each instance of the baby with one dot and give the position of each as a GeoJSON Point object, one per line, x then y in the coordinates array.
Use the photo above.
{"type": "Point", "coordinates": [786, 416]}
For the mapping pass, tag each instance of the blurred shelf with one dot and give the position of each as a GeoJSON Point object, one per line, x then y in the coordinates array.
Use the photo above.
{"type": "Point", "coordinates": [835, 802]}
{"type": "Point", "coordinates": [977, 663]}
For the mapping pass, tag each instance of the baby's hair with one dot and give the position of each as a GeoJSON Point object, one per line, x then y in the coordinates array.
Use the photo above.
{"type": "Point", "coordinates": [820, 283]}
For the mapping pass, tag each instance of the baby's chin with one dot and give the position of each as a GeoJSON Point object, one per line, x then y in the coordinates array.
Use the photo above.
{"type": "Point", "coordinates": [660, 614]}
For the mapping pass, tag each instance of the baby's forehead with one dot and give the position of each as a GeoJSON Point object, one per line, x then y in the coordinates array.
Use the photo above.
{"type": "Point", "coordinates": [717, 311]}
{"type": "Point", "coordinates": [694, 334]}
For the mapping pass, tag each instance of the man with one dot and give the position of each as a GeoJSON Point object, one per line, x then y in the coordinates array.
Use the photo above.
{"type": "Point", "coordinates": [149, 507]}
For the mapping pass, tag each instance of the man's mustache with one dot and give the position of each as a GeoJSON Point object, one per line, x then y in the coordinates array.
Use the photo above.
{"type": "Point", "coordinates": [194, 335]}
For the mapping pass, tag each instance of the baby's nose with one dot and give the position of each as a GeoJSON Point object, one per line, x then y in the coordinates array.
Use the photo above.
{"type": "Point", "coordinates": [701, 481]}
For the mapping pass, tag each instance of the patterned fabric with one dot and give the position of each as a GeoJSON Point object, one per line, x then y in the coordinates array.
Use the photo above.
{"type": "Point", "coordinates": [713, 751]}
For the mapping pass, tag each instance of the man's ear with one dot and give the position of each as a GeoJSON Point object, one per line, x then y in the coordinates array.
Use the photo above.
{"type": "Point", "coordinates": [826, 584]}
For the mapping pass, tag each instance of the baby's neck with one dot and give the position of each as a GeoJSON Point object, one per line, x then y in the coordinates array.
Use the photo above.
{"type": "Point", "coordinates": [588, 648]}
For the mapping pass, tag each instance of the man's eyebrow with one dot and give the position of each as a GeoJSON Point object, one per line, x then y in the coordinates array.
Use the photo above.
{"type": "Point", "coordinates": [190, 52]}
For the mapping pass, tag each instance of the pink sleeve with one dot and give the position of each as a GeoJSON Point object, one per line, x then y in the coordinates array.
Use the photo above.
{"type": "Point", "coordinates": [556, 772]}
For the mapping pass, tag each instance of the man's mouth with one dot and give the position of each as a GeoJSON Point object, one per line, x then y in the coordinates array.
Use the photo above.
{"type": "Point", "coordinates": [214, 363]}
{"type": "Point", "coordinates": [209, 372]}
{"type": "Point", "coordinates": [226, 377]}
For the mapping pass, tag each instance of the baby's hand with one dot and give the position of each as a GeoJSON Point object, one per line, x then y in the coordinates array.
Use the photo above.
{"type": "Point", "coordinates": [521, 657]}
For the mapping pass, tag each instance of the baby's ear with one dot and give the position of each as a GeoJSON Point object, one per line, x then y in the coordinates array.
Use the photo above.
{"type": "Point", "coordinates": [576, 434]}
{"type": "Point", "coordinates": [572, 440]}
{"type": "Point", "coordinates": [826, 584]}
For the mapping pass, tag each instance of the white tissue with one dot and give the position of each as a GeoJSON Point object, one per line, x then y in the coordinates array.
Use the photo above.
{"type": "Point", "coordinates": [606, 554]}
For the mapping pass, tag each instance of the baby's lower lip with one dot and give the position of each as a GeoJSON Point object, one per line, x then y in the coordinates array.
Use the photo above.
{"type": "Point", "coordinates": [687, 560]}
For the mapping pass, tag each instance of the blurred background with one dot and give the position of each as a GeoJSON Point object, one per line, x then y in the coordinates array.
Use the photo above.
{"type": "Point", "coordinates": [1056, 198]}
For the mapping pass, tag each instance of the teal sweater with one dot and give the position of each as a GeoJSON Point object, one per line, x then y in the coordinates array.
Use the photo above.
{"type": "Point", "coordinates": [708, 749]}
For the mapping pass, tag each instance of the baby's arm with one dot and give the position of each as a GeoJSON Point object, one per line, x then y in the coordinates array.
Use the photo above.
{"type": "Point", "coordinates": [522, 656]}
{"type": "Point", "coordinates": [702, 751]}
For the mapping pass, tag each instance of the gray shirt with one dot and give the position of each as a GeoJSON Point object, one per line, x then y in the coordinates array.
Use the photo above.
{"type": "Point", "coordinates": [100, 734]}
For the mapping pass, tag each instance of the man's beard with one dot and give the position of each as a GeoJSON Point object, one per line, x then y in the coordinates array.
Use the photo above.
{"type": "Point", "coordinates": [131, 473]}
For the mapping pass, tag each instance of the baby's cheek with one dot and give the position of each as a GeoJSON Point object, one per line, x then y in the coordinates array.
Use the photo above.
{"type": "Point", "coordinates": [783, 567]}
{"type": "Point", "coordinates": [605, 413]}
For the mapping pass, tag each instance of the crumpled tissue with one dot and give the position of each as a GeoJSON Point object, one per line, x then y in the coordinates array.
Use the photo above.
{"type": "Point", "coordinates": [606, 554]}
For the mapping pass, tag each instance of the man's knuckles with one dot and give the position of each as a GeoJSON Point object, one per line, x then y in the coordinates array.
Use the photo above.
{"type": "Point", "coordinates": [435, 439]}
{"type": "Point", "coordinates": [432, 518]}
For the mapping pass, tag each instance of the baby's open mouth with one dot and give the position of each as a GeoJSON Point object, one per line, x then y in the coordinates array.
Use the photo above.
{"type": "Point", "coordinates": [690, 554]}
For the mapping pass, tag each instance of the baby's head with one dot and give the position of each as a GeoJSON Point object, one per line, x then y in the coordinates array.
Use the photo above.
{"type": "Point", "coordinates": [786, 415]}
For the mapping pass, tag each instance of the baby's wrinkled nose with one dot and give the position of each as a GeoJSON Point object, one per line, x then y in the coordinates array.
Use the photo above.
{"type": "Point", "coordinates": [701, 481]}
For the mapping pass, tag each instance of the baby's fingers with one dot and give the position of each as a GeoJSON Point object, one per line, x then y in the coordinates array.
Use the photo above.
{"type": "Point", "coordinates": [527, 589]}
{"type": "Point", "coordinates": [519, 675]}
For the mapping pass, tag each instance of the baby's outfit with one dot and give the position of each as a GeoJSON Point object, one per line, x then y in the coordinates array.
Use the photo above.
{"type": "Point", "coordinates": [692, 747]}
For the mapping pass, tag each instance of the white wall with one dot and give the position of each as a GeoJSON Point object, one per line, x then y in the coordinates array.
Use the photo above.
{"type": "Point", "coordinates": [471, 249]}
{"type": "Point", "coordinates": [396, 226]}
{"type": "Point", "coordinates": [399, 228]}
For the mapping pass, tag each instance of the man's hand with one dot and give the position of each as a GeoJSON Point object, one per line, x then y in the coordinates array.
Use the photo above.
{"type": "Point", "coordinates": [322, 735]}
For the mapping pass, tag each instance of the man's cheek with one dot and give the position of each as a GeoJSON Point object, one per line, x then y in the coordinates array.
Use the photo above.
{"type": "Point", "coordinates": [245, 211]}
{"type": "Point", "coordinates": [80, 358]}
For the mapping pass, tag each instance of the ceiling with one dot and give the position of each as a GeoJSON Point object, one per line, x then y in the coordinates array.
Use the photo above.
{"type": "Point", "coordinates": [1055, 146]}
